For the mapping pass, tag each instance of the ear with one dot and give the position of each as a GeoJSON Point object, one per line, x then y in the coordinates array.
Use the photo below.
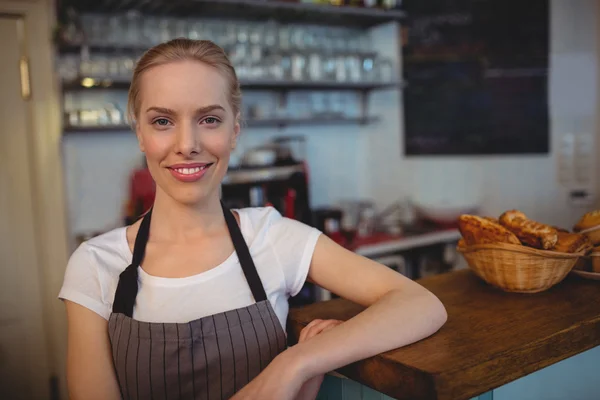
{"type": "Point", "coordinates": [139, 138]}
{"type": "Point", "coordinates": [236, 131]}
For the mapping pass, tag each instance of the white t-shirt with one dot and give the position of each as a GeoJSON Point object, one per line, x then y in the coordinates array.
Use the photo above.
{"type": "Point", "coordinates": [281, 249]}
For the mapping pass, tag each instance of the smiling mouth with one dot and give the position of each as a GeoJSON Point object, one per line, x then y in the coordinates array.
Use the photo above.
{"type": "Point", "coordinates": [192, 170]}
{"type": "Point", "coordinates": [189, 173]}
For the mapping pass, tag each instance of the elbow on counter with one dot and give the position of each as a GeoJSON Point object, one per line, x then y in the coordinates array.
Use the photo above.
{"type": "Point", "coordinates": [429, 313]}
{"type": "Point", "coordinates": [437, 313]}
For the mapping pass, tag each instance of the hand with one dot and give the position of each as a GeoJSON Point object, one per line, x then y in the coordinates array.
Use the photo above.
{"type": "Point", "coordinates": [310, 389]}
{"type": "Point", "coordinates": [280, 380]}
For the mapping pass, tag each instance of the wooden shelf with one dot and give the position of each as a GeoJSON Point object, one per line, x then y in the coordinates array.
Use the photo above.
{"type": "Point", "coordinates": [132, 50]}
{"type": "Point", "coordinates": [282, 122]}
{"type": "Point", "coordinates": [285, 12]}
{"type": "Point", "coordinates": [260, 85]}
{"type": "Point", "coordinates": [261, 123]}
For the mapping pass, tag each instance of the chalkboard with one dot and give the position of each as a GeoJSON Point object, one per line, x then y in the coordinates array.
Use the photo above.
{"type": "Point", "coordinates": [477, 77]}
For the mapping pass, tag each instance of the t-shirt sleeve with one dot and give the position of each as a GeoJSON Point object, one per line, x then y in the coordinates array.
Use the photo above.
{"type": "Point", "coordinates": [294, 244]}
{"type": "Point", "coordinates": [82, 284]}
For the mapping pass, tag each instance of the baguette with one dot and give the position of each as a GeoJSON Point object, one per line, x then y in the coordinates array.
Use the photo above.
{"type": "Point", "coordinates": [492, 219]}
{"type": "Point", "coordinates": [529, 232]}
{"type": "Point", "coordinates": [478, 230]}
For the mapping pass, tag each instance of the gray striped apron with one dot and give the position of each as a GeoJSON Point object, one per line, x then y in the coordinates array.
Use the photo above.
{"type": "Point", "coordinates": [209, 358]}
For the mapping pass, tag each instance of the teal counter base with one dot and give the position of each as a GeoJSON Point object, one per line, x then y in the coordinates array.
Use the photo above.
{"type": "Point", "coordinates": [576, 378]}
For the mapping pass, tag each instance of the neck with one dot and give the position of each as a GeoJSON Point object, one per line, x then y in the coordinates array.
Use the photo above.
{"type": "Point", "coordinates": [174, 221]}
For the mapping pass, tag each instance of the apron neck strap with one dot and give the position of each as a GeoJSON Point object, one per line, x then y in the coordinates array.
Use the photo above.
{"type": "Point", "coordinates": [127, 287]}
{"type": "Point", "coordinates": [243, 253]}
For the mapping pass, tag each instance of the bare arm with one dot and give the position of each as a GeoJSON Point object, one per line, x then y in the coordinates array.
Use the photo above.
{"type": "Point", "coordinates": [399, 311]}
{"type": "Point", "coordinates": [90, 371]}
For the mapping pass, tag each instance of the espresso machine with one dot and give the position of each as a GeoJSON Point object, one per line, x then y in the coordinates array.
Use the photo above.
{"type": "Point", "coordinates": [275, 174]}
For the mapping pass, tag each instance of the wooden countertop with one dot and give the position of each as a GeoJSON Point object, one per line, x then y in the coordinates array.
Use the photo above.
{"type": "Point", "coordinates": [491, 337]}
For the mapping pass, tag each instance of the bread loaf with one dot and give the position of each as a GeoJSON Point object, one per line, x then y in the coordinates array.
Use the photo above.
{"type": "Point", "coordinates": [588, 221]}
{"type": "Point", "coordinates": [531, 233]}
{"type": "Point", "coordinates": [572, 243]}
{"type": "Point", "coordinates": [478, 230]}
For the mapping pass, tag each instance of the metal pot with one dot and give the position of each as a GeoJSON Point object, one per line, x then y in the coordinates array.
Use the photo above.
{"type": "Point", "coordinates": [268, 155]}
{"type": "Point", "coordinates": [263, 156]}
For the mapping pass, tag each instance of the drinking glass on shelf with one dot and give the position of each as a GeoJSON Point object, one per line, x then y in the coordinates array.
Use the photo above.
{"type": "Point", "coordinates": [319, 103]}
{"type": "Point", "coordinates": [115, 31]}
{"type": "Point", "coordinates": [256, 34]}
{"type": "Point", "coordinates": [164, 29]}
{"type": "Point", "coordinates": [98, 67]}
{"type": "Point", "coordinates": [132, 28]}
{"type": "Point", "coordinates": [286, 66]}
{"type": "Point", "coordinates": [329, 68]}
{"type": "Point", "coordinates": [339, 41]}
{"type": "Point", "coordinates": [315, 67]}
{"type": "Point", "coordinates": [365, 45]}
{"type": "Point", "coordinates": [271, 34]}
{"type": "Point", "coordinates": [384, 69]}
{"type": "Point", "coordinates": [126, 65]}
{"type": "Point", "coordinates": [297, 34]}
{"type": "Point", "coordinates": [310, 39]}
{"type": "Point", "coordinates": [368, 68]}
{"type": "Point", "coordinates": [94, 27]}
{"type": "Point", "coordinates": [113, 68]}
{"type": "Point", "coordinates": [229, 35]}
{"type": "Point", "coordinates": [274, 67]}
{"type": "Point", "coordinates": [284, 40]}
{"type": "Point", "coordinates": [179, 28]}
{"type": "Point", "coordinates": [214, 31]}
{"type": "Point", "coordinates": [336, 103]}
{"type": "Point", "coordinates": [256, 54]}
{"type": "Point", "coordinates": [298, 70]}
{"type": "Point", "coordinates": [194, 29]}
{"type": "Point", "coordinates": [68, 68]}
{"type": "Point", "coordinates": [341, 73]}
{"type": "Point", "coordinates": [243, 33]}
{"type": "Point", "coordinates": [353, 70]}
{"type": "Point", "coordinates": [354, 41]}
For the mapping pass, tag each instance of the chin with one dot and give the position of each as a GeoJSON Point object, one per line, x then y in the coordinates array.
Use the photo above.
{"type": "Point", "coordinates": [191, 196]}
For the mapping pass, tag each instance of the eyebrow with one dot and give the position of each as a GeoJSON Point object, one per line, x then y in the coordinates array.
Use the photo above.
{"type": "Point", "coordinates": [200, 110]}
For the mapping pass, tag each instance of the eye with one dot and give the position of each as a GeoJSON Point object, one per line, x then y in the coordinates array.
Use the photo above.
{"type": "Point", "coordinates": [161, 122]}
{"type": "Point", "coordinates": [210, 120]}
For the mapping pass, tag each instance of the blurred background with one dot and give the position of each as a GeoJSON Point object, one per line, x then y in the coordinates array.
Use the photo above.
{"type": "Point", "coordinates": [378, 122]}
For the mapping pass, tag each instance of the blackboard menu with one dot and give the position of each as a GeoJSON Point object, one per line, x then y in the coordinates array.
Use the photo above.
{"type": "Point", "coordinates": [477, 77]}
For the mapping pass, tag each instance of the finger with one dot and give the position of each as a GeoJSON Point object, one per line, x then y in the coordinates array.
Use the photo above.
{"type": "Point", "coordinates": [307, 331]}
{"type": "Point", "coordinates": [307, 328]}
{"type": "Point", "coordinates": [320, 327]}
{"type": "Point", "coordinates": [330, 326]}
{"type": "Point", "coordinates": [314, 329]}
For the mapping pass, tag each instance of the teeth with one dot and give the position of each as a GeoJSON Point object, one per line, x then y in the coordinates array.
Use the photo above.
{"type": "Point", "coordinates": [189, 171]}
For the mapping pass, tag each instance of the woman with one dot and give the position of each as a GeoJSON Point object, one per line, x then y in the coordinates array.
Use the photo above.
{"type": "Point", "coordinates": [200, 310]}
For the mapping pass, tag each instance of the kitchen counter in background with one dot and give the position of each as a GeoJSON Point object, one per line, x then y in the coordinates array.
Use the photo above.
{"type": "Point", "coordinates": [376, 244]}
{"type": "Point", "coordinates": [491, 338]}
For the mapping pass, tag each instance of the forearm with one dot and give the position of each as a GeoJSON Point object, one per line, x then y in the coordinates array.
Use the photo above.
{"type": "Point", "coordinates": [395, 320]}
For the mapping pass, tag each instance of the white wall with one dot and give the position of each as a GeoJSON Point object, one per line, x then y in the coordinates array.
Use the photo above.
{"type": "Point", "coordinates": [353, 161]}
{"type": "Point", "coordinates": [529, 183]}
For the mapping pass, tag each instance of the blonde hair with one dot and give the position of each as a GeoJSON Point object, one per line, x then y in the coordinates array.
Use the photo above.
{"type": "Point", "coordinates": [182, 49]}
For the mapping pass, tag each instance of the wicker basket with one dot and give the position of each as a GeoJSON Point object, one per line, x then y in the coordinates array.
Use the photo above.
{"type": "Point", "coordinates": [515, 268]}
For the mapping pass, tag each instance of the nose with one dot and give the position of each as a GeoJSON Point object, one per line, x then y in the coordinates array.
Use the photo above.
{"type": "Point", "coordinates": [187, 140]}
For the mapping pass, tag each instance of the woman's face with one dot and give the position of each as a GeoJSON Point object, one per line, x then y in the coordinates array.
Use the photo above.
{"type": "Point", "coordinates": [187, 129]}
